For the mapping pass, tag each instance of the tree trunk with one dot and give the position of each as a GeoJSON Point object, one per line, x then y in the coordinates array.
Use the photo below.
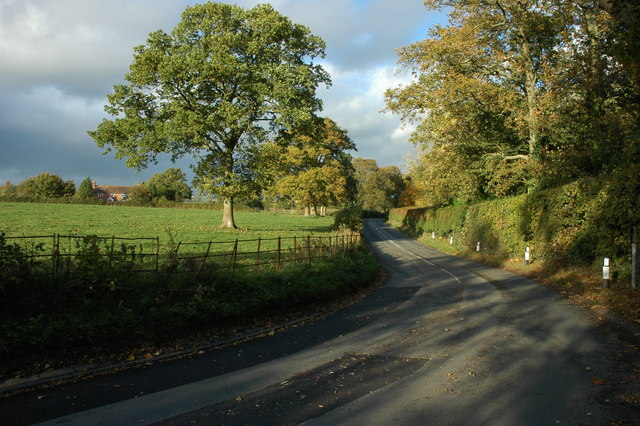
{"type": "Point", "coordinates": [532, 101]}
{"type": "Point", "coordinates": [227, 214]}
{"type": "Point", "coordinates": [307, 211]}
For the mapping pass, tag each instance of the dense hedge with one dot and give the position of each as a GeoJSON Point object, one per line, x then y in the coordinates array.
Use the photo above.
{"type": "Point", "coordinates": [105, 311]}
{"type": "Point", "coordinates": [442, 221]}
{"type": "Point", "coordinates": [579, 223]}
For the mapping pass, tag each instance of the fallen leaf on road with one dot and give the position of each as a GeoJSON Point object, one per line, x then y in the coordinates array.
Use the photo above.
{"type": "Point", "coordinates": [598, 381]}
{"type": "Point", "coordinates": [630, 399]}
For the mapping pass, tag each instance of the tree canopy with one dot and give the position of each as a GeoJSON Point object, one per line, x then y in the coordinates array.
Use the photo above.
{"type": "Point", "coordinates": [225, 80]}
{"type": "Point", "coordinates": [379, 188]}
{"type": "Point", "coordinates": [45, 185]}
{"type": "Point", "coordinates": [314, 170]}
{"type": "Point", "coordinates": [85, 189]}
{"type": "Point", "coordinates": [170, 184]}
{"type": "Point", "coordinates": [514, 96]}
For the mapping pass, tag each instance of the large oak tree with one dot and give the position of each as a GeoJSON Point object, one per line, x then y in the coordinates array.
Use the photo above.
{"type": "Point", "coordinates": [225, 80]}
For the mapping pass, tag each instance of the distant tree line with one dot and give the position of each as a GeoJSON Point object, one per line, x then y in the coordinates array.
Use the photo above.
{"type": "Point", "coordinates": [309, 178]}
{"type": "Point", "coordinates": [43, 187]}
{"type": "Point", "coordinates": [163, 189]}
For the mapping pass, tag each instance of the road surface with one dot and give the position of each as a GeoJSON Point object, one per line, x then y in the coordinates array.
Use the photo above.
{"type": "Point", "coordinates": [444, 341]}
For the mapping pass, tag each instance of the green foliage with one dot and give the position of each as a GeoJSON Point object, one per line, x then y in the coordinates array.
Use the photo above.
{"type": "Point", "coordinates": [578, 223]}
{"type": "Point", "coordinates": [140, 196]}
{"type": "Point", "coordinates": [85, 190]}
{"type": "Point", "coordinates": [443, 221]}
{"type": "Point", "coordinates": [350, 217]}
{"type": "Point", "coordinates": [44, 187]}
{"type": "Point", "coordinates": [170, 185]}
{"type": "Point", "coordinates": [223, 81]}
{"type": "Point", "coordinates": [7, 191]}
{"type": "Point", "coordinates": [100, 265]}
{"type": "Point", "coordinates": [379, 189]}
{"type": "Point", "coordinates": [16, 265]}
{"type": "Point", "coordinates": [517, 96]}
{"type": "Point", "coordinates": [313, 170]}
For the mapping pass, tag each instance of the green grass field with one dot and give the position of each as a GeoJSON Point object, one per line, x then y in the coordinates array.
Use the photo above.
{"type": "Point", "coordinates": [186, 225]}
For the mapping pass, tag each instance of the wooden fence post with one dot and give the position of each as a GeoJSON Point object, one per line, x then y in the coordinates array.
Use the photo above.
{"type": "Point", "coordinates": [206, 254]}
{"type": "Point", "coordinates": [68, 268]}
{"type": "Point", "coordinates": [278, 257]}
{"type": "Point", "coordinates": [258, 255]}
{"type": "Point", "coordinates": [234, 257]}
{"type": "Point", "coordinates": [309, 247]}
{"type": "Point", "coordinates": [113, 243]}
{"type": "Point", "coordinates": [157, 254]}
{"type": "Point", "coordinates": [55, 256]}
{"type": "Point", "coordinates": [175, 252]}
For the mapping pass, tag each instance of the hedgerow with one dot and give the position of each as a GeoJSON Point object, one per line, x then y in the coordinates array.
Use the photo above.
{"type": "Point", "coordinates": [104, 309]}
{"type": "Point", "coordinates": [578, 223]}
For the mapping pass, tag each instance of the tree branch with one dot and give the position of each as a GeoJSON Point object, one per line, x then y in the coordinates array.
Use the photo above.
{"type": "Point", "coordinates": [510, 157]}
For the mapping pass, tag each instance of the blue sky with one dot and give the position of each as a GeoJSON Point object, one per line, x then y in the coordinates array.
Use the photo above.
{"type": "Point", "coordinates": [60, 58]}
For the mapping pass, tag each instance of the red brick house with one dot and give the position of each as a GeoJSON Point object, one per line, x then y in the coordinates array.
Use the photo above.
{"type": "Point", "coordinates": [110, 193]}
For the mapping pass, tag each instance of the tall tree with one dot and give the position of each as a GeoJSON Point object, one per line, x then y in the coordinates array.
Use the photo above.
{"type": "Point", "coordinates": [522, 94]}
{"type": "Point", "coordinates": [224, 80]}
{"type": "Point", "coordinates": [7, 190]}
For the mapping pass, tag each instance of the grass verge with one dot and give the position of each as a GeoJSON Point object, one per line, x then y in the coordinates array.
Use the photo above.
{"type": "Point", "coordinates": [582, 284]}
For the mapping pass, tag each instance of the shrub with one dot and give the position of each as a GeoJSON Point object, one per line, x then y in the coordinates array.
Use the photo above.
{"type": "Point", "coordinates": [350, 217]}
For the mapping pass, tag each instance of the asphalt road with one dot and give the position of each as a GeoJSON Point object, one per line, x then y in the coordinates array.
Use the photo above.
{"type": "Point", "coordinates": [444, 341]}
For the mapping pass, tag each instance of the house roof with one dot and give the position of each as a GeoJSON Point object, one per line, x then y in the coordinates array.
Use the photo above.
{"type": "Point", "coordinates": [113, 189]}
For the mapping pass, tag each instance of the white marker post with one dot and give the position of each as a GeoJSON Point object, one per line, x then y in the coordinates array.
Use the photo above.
{"type": "Point", "coordinates": [634, 244]}
{"type": "Point", "coordinates": [433, 235]}
{"type": "Point", "coordinates": [478, 246]}
{"type": "Point", "coordinates": [605, 273]}
{"type": "Point", "coordinates": [527, 255]}
{"type": "Point", "coordinates": [451, 240]}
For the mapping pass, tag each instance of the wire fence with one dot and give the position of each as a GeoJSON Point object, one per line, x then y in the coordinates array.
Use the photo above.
{"type": "Point", "coordinates": [65, 255]}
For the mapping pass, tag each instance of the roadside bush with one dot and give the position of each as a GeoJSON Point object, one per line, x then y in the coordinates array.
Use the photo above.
{"type": "Point", "coordinates": [17, 266]}
{"type": "Point", "coordinates": [350, 217]}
